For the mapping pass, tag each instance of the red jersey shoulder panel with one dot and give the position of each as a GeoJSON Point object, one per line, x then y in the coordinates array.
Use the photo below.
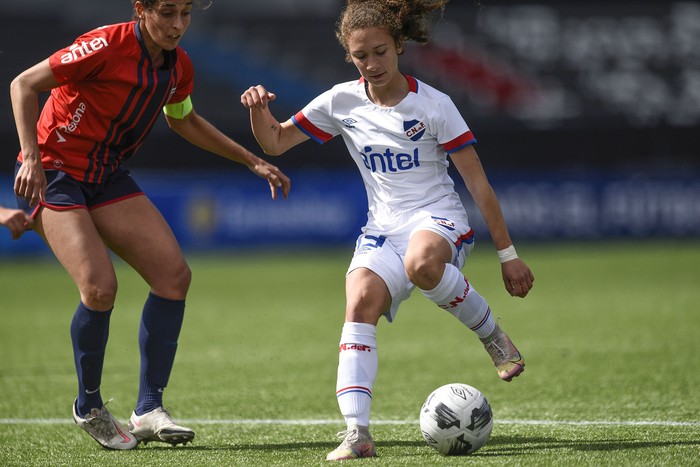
{"type": "Point", "coordinates": [110, 97]}
{"type": "Point", "coordinates": [88, 56]}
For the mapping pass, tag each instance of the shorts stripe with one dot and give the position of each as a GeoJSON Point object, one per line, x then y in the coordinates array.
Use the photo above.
{"type": "Point", "coordinates": [467, 238]}
{"type": "Point", "coordinates": [116, 200]}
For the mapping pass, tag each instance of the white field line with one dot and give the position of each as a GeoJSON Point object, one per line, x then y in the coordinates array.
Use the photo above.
{"type": "Point", "coordinates": [198, 421]}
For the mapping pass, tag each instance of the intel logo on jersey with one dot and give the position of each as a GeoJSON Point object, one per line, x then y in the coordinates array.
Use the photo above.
{"type": "Point", "coordinates": [414, 129]}
{"type": "Point", "coordinates": [387, 161]}
{"type": "Point", "coordinates": [77, 51]}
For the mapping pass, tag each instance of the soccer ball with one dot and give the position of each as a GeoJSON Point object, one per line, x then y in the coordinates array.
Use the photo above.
{"type": "Point", "coordinates": [456, 419]}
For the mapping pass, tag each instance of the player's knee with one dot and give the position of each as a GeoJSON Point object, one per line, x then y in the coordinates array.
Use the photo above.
{"type": "Point", "coordinates": [174, 284]}
{"type": "Point", "coordinates": [99, 297]}
{"type": "Point", "coordinates": [423, 273]}
{"type": "Point", "coordinates": [185, 279]}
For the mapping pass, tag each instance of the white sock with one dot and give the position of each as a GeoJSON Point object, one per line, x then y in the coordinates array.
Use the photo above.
{"type": "Point", "coordinates": [455, 294]}
{"type": "Point", "coordinates": [357, 370]}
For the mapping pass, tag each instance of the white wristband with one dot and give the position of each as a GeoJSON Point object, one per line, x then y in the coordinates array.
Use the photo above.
{"type": "Point", "coordinates": [507, 254]}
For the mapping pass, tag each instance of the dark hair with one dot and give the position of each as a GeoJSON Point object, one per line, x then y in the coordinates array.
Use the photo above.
{"type": "Point", "coordinates": [402, 19]}
{"type": "Point", "coordinates": [151, 4]}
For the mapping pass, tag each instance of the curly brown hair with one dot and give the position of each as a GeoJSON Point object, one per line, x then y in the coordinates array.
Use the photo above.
{"type": "Point", "coordinates": [402, 19]}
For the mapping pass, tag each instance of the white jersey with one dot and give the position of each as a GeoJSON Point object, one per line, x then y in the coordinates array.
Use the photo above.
{"type": "Point", "coordinates": [401, 151]}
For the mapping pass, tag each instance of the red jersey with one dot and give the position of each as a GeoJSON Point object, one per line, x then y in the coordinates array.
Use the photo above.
{"type": "Point", "coordinates": [109, 99]}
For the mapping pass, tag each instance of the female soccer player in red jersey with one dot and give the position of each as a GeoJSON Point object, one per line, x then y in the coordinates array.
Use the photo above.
{"type": "Point", "coordinates": [400, 132]}
{"type": "Point", "coordinates": [107, 90]}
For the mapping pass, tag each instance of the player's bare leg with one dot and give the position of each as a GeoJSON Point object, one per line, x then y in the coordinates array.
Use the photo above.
{"type": "Point", "coordinates": [138, 233]}
{"type": "Point", "coordinates": [78, 247]}
{"type": "Point", "coordinates": [428, 264]}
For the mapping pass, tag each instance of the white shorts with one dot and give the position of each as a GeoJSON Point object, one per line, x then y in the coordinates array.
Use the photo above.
{"type": "Point", "coordinates": [384, 254]}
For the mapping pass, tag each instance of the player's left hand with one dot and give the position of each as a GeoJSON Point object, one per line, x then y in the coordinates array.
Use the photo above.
{"type": "Point", "coordinates": [517, 277]}
{"type": "Point", "coordinates": [274, 176]}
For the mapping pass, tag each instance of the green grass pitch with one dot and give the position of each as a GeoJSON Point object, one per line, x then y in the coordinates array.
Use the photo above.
{"type": "Point", "coordinates": [610, 333]}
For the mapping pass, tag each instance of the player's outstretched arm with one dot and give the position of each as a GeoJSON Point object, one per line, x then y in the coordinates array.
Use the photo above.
{"type": "Point", "coordinates": [203, 134]}
{"type": "Point", "coordinates": [274, 138]}
{"type": "Point", "coordinates": [517, 277]}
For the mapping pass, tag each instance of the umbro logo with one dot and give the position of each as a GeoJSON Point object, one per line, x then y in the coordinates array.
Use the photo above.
{"type": "Point", "coordinates": [349, 122]}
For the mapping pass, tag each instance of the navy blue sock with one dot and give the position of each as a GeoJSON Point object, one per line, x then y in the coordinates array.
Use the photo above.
{"type": "Point", "coordinates": [89, 331]}
{"type": "Point", "coordinates": [161, 322]}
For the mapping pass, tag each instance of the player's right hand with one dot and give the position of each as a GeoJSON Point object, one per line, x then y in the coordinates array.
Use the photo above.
{"type": "Point", "coordinates": [257, 97]}
{"type": "Point", "coordinates": [30, 182]}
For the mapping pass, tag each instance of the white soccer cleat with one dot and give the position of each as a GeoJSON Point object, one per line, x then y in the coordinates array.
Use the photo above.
{"type": "Point", "coordinates": [104, 428]}
{"type": "Point", "coordinates": [508, 361]}
{"type": "Point", "coordinates": [158, 425]}
{"type": "Point", "coordinates": [358, 443]}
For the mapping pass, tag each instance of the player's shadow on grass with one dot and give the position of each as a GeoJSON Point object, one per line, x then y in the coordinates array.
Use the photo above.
{"type": "Point", "coordinates": [498, 446]}
{"type": "Point", "coordinates": [329, 445]}
{"type": "Point", "coordinates": [519, 445]}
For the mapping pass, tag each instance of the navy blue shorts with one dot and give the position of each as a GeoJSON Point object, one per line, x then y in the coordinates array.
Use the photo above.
{"type": "Point", "coordinates": [64, 192]}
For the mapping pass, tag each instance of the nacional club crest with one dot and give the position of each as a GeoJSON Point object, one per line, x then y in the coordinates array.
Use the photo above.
{"type": "Point", "coordinates": [414, 129]}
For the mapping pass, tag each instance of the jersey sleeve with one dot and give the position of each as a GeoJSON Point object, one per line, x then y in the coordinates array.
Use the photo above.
{"type": "Point", "coordinates": [86, 58]}
{"type": "Point", "coordinates": [179, 104]}
{"type": "Point", "coordinates": [316, 118]}
{"type": "Point", "coordinates": [185, 84]}
{"type": "Point", "coordinates": [453, 133]}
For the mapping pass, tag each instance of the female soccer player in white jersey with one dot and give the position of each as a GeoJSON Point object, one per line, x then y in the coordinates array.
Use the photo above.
{"type": "Point", "coordinates": [399, 131]}
{"type": "Point", "coordinates": [107, 90]}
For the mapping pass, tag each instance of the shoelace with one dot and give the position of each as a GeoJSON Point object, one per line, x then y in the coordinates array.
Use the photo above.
{"type": "Point", "coordinates": [348, 435]}
{"type": "Point", "coordinates": [89, 417]}
{"type": "Point", "coordinates": [493, 347]}
{"type": "Point", "coordinates": [500, 352]}
{"type": "Point", "coordinates": [103, 423]}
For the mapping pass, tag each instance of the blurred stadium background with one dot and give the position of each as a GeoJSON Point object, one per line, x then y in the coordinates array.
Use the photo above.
{"type": "Point", "coordinates": [587, 115]}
